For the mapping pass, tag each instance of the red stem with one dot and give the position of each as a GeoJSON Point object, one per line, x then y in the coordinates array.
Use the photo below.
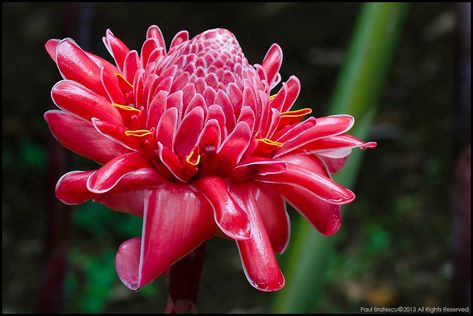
{"type": "Point", "coordinates": [184, 280]}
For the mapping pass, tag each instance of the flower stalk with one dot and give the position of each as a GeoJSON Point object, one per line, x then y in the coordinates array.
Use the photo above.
{"type": "Point", "coordinates": [184, 280]}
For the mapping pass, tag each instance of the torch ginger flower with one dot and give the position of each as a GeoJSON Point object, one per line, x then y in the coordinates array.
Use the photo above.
{"type": "Point", "coordinates": [192, 141]}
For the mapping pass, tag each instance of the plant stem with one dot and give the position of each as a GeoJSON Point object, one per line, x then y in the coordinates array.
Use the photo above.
{"type": "Point", "coordinates": [184, 280]}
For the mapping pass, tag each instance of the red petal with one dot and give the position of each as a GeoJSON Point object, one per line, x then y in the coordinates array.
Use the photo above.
{"type": "Point", "coordinates": [176, 221]}
{"type": "Point", "coordinates": [112, 87]}
{"type": "Point", "coordinates": [178, 39]}
{"type": "Point", "coordinates": [155, 32]}
{"type": "Point", "coordinates": [293, 89]}
{"type": "Point", "coordinates": [146, 49]}
{"type": "Point", "coordinates": [116, 48]}
{"type": "Point", "coordinates": [116, 134]}
{"type": "Point", "coordinates": [210, 135]}
{"type": "Point", "coordinates": [107, 177]}
{"type": "Point", "coordinates": [234, 146]}
{"type": "Point", "coordinates": [73, 97]}
{"type": "Point", "coordinates": [156, 109]}
{"type": "Point", "coordinates": [257, 255]}
{"type": "Point", "coordinates": [317, 183]}
{"type": "Point", "coordinates": [167, 126]}
{"type": "Point", "coordinates": [188, 132]}
{"type": "Point", "coordinates": [272, 209]}
{"type": "Point", "coordinates": [81, 137]}
{"type": "Point", "coordinates": [71, 188]}
{"type": "Point", "coordinates": [324, 127]}
{"type": "Point", "coordinates": [272, 62]}
{"type": "Point", "coordinates": [325, 217]}
{"type": "Point", "coordinates": [74, 64]}
{"type": "Point", "coordinates": [51, 46]}
{"type": "Point", "coordinates": [130, 202]}
{"type": "Point", "coordinates": [131, 65]}
{"type": "Point", "coordinates": [126, 196]}
{"type": "Point", "coordinates": [230, 218]}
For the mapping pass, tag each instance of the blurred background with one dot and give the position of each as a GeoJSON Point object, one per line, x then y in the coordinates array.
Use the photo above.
{"type": "Point", "coordinates": [405, 240]}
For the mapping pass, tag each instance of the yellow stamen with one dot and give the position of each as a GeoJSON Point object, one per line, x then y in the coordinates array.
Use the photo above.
{"type": "Point", "coordinates": [124, 79]}
{"type": "Point", "coordinates": [272, 97]}
{"type": "Point", "coordinates": [270, 142]}
{"type": "Point", "coordinates": [297, 113]}
{"type": "Point", "coordinates": [125, 107]}
{"type": "Point", "coordinates": [193, 162]}
{"type": "Point", "coordinates": [138, 132]}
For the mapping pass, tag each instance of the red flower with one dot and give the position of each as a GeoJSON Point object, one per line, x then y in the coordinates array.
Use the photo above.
{"type": "Point", "coordinates": [191, 141]}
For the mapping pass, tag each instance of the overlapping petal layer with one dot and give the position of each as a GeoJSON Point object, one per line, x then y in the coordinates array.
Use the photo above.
{"type": "Point", "coordinates": [193, 140]}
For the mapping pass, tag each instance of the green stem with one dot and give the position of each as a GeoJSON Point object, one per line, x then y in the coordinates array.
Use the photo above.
{"type": "Point", "coordinates": [367, 63]}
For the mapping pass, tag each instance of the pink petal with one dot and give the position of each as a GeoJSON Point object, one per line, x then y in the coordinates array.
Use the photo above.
{"type": "Point", "coordinates": [156, 109]}
{"type": "Point", "coordinates": [74, 64]}
{"type": "Point", "coordinates": [337, 142]}
{"type": "Point", "coordinates": [272, 210]}
{"type": "Point", "coordinates": [176, 221]}
{"type": "Point", "coordinates": [112, 87]}
{"type": "Point", "coordinates": [271, 63]}
{"type": "Point", "coordinates": [234, 146]}
{"type": "Point", "coordinates": [131, 65]}
{"type": "Point", "coordinates": [334, 164]}
{"type": "Point", "coordinates": [324, 127]}
{"type": "Point", "coordinates": [116, 48]}
{"type": "Point", "coordinates": [155, 32]}
{"type": "Point", "coordinates": [146, 49]}
{"type": "Point", "coordinates": [172, 162]}
{"type": "Point", "coordinates": [178, 39]}
{"type": "Point", "coordinates": [81, 137]}
{"type": "Point", "coordinates": [108, 176]}
{"type": "Point", "coordinates": [71, 188]}
{"type": "Point", "coordinates": [167, 127]}
{"type": "Point", "coordinates": [130, 202]}
{"type": "Point", "coordinates": [325, 217]}
{"type": "Point", "coordinates": [210, 135]}
{"type": "Point", "coordinates": [188, 132]}
{"type": "Point", "coordinates": [126, 196]}
{"type": "Point", "coordinates": [259, 262]}
{"type": "Point", "coordinates": [116, 134]}
{"type": "Point", "coordinates": [73, 97]}
{"type": "Point", "coordinates": [230, 217]}
{"type": "Point", "coordinates": [293, 89]}
{"type": "Point", "coordinates": [316, 183]}
{"type": "Point", "coordinates": [51, 46]}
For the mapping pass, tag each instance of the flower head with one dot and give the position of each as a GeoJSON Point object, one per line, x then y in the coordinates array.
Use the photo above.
{"type": "Point", "coordinates": [192, 141]}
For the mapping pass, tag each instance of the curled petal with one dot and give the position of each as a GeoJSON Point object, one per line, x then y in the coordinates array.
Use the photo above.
{"type": "Point", "coordinates": [155, 32]}
{"type": "Point", "coordinates": [180, 38]}
{"type": "Point", "coordinates": [230, 217]}
{"type": "Point", "coordinates": [318, 184]}
{"type": "Point", "coordinates": [74, 64]}
{"type": "Point", "coordinates": [73, 97]}
{"type": "Point", "coordinates": [81, 137]}
{"type": "Point", "coordinates": [116, 48]}
{"type": "Point", "coordinates": [234, 146]}
{"type": "Point", "coordinates": [272, 210]}
{"type": "Point", "coordinates": [293, 89]}
{"type": "Point", "coordinates": [71, 188]}
{"type": "Point", "coordinates": [259, 262]}
{"type": "Point", "coordinates": [188, 132]}
{"type": "Point", "coordinates": [51, 46]}
{"type": "Point", "coordinates": [108, 176]}
{"type": "Point", "coordinates": [324, 216]}
{"type": "Point", "coordinates": [271, 64]}
{"type": "Point", "coordinates": [324, 127]}
{"type": "Point", "coordinates": [176, 221]}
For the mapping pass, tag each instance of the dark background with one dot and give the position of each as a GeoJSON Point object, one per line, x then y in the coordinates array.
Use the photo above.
{"type": "Point", "coordinates": [396, 244]}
